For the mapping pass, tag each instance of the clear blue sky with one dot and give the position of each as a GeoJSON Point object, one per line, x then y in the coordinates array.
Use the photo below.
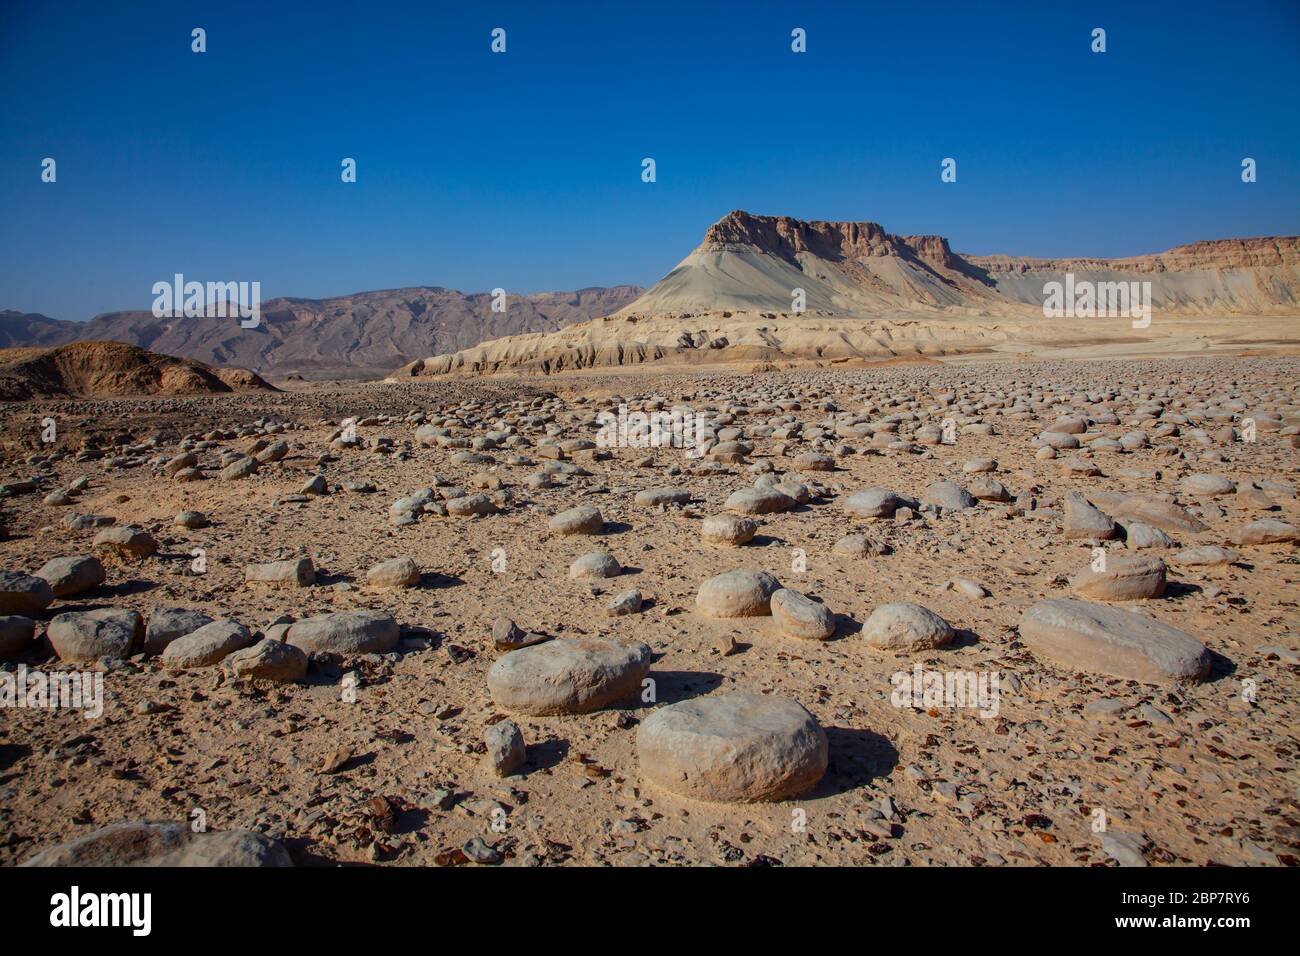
{"type": "Point", "coordinates": [522, 170]}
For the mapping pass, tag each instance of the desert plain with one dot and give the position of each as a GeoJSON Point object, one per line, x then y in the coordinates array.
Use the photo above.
{"type": "Point", "coordinates": [1112, 536]}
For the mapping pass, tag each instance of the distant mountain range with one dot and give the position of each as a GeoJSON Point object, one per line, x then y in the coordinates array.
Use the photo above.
{"type": "Point", "coordinates": [357, 336]}
{"type": "Point", "coordinates": [870, 294]}
{"type": "Point", "coordinates": [864, 293]}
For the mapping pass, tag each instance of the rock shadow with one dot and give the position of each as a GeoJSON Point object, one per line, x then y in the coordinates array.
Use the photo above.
{"type": "Point", "coordinates": [856, 758]}
{"type": "Point", "coordinates": [672, 687]}
{"type": "Point", "coordinates": [546, 754]}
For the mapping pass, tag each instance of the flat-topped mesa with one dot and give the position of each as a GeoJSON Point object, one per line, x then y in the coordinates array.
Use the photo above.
{"type": "Point", "coordinates": [787, 237]}
{"type": "Point", "coordinates": [767, 289]}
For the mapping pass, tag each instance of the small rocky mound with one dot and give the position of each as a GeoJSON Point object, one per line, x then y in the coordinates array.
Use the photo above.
{"type": "Point", "coordinates": [96, 369]}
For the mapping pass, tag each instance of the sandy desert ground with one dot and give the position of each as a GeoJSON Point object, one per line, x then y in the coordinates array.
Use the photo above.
{"type": "Point", "coordinates": [379, 757]}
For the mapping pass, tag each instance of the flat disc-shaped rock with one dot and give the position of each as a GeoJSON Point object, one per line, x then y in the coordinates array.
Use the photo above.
{"type": "Point", "coordinates": [209, 645]}
{"type": "Point", "coordinates": [89, 635]}
{"type": "Point", "coordinates": [653, 497]}
{"type": "Point", "coordinates": [345, 632]}
{"type": "Point", "coordinates": [597, 565]}
{"type": "Point", "coordinates": [737, 594]}
{"type": "Point", "coordinates": [759, 501]}
{"type": "Point", "coordinates": [1161, 514]}
{"type": "Point", "coordinates": [1207, 555]}
{"type": "Point", "coordinates": [24, 593]}
{"type": "Point", "coordinates": [270, 661]}
{"type": "Point", "coordinates": [163, 844]}
{"type": "Point", "coordinates": [568, 676]}
{"type": "Point", "coordinates": [1266, 531]}
{"type": "Point", "coordinates": [1106, 640]}
{"type": "Point", "coordinates": [736, 748]}
{"type": "Point", "coordinates": [800, 616]}
{"type": "Point", "coordinates": [728, 529]}
{"type": "Point", "coordinates": [1123, 578]}
{"type": "Point", "coordinates": [581, 520]}
{"type": "Point", "coordinates": [166, 624]}
{"type": "Point", "coordinates": [906, 627]}
{"type": "Point", "coordinates": [69, 576]}
{"type": "Point", "coordinates": [874, 503]}
{"type": "Point", "coordinates": [948, 495]}
{"type": "Point", "coordinates": [860, 546]}
{"type": "Point", "coordinates": [394, 573]}
{"type": "Point", "coordinates": [1207, 486]}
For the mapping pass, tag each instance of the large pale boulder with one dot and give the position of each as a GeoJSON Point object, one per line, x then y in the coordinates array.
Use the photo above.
{"type": "Point", "coordinates": [1162, 514]}
{"type": "Point", "coordinates": [209, 645]}
{"type": "Point", "coordinates": [294, 573]}
{"type": "Point", "coordinates": [163, 844]}
{"type": "Point", "coordinates": [906, 627]}
{"type": "Point", "coordinates": [737, 594]}
{"type": "Point", "coordinates": [1083, 521]}
{"type": "Point", "coordinates": [468, 506]}
{"type": "Point", "coordinates": [85, 636]}
{"type": "Point", "coordinates": [345, 632]}
{"type": "Point", "coordinates": [1266, 531]}
{"type": "Point", "coordinates": [1207, 486]}
{"type": "Point", "coordinates": [735, 748]}
{"type": "Point", "coordinates": [71, 576]}
{"type": "Point", "coordinates": [874, 503]}
{"type": "Point", "coordinates": [1207, 555]}
{"type": "Point", "coordinates": [596, 565]}
{"type": "Point", "coordinates": [1121, 577]}
{"type": "Point", "coordinates": [654, 497]}
{"type": "Point", "coordinates": [728, 530]}
{"type": "Point", "coordinates": [948, 495]}
{"type": "Point", "coordinates": [394, 573]}
{"type": "Point", "coordinates": [166, 624]}
{"type": "Point", "coordinates": [568, 676]}
{"type": "Point", "coordinates": [799, 616]}
{"type": "Point", "coordinates": [583, 519]}
{"type": "Point", "coordinates": [126, 542]}
{"type": "Point", "coordinates": [268, 660]}
{"type": "Point", "coordinates": [759, 501]}
{"type": "Point", "coordinates": [1098, 639]}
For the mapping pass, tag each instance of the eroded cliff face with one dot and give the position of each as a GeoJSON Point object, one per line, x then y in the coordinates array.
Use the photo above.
{"type": "Point", "coordinates": [1270, 252]}
{"type": "Point", "coordinates": [788, 238]}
